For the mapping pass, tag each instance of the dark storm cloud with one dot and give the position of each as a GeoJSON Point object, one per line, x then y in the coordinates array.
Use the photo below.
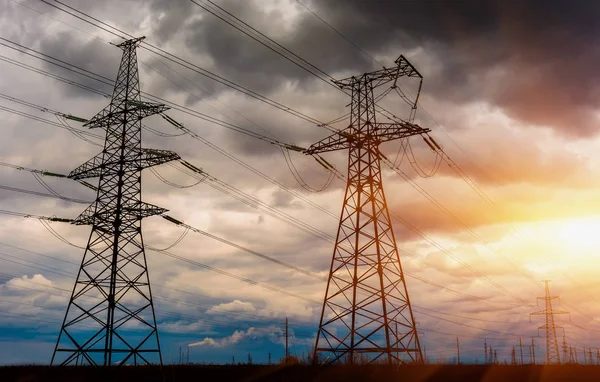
{"type": "Point", "coordinates": [535, 59]}
{"type": "Point", "coordinates": [94, 55]}
{"type": "Point", "coordinates": [542, 52]}
{"type": "Point", "coordinates": [244, 60]}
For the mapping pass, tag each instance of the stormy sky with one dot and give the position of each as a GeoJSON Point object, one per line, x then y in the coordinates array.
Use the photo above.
{"type": "Point", "coordinates": [509, 92]}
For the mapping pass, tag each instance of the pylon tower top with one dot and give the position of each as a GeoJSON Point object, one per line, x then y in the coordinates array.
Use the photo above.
{"type": "Point", "coordinates": [364, 126]}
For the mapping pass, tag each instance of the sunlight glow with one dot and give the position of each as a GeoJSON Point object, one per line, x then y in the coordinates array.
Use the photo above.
{"type": "Point", "coordinates": [580, 234]}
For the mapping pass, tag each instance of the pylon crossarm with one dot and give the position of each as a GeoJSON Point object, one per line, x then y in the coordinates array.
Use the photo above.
{"type": "Point", "coordinates": [392, 131]}
{"type": "Point", "coordinates": [334, 142]}
{"type": "Point", "coordinates": [154, 157]}
{"type": "Point", "coordinates": [143, 158]}
{"type": "Point", "coordinates": [382, 132]}
{"type": "Point", "coordinates": [383, 76]}
{"type": "Point", "coordinates": [108, 117]}
{"type": "Point", "coordinates": [539, 313]}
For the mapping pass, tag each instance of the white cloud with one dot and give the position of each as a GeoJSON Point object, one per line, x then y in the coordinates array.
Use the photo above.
{"type": "Point", "coordinates": [234, 306]}
{"type": "Point", "coordinates": [236, 337]}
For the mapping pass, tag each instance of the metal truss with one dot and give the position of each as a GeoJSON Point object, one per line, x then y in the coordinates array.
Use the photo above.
{"type": "Point", "coordinates": [110, 317]}
{"type": "Point", "coordinates": [366, 315]}
{"type": "Point", "coordinates": [552, 353]}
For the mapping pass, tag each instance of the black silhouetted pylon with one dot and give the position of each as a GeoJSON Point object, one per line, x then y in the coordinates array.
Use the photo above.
{"type": "Point", "coordinates": [110, 317]}
{"type": "Point", "coordinates": [366, 293]}
{"type": "Point", "coordinates": [552, 353]}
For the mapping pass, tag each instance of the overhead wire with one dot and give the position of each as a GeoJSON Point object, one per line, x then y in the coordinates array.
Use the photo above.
{"type": "Point", "coordinates": [154, 284]}
{"type": "Point", "coordinates": [490, 202]}
{"type": "Point", "coordinates": [229, 274]}
{"type": "Point", "coordinates": [443, 155]}
{"type": "Point", "coordinates": [250, 200]}
{"type": "Point", "coordinates": [418, 308]}
{"type": "Point", "coordinates": [450, 254]}
{"type": "Point", "coordinates": [53, 76]}
{"type": "Point", "coordinates": [43, 120]}
{"type": "Point", "coordinates": [257, 36]}
{"type": "Point", "coordinates": [244, 249]}
{"type": "Point", "coordinates": [43, 194]}
{"type": "Point", "coordinates": [415, 164]}
{"type": "Point", "coordinates": [77, 133]}
{"type": "Point", "coordinates": [447, 212]}
{"type": "Point", "coordinates": [184, 63]}
{"type": "Point", "coordinates": [53, 232]}
{"type": "Point", "coordinates": [173, 184]}
{"type": "Point", "coordinates": [177, 241]}
{"type": "Point", "coordinates": [338, 32]}
{"type": "Point", "coordinates": [298, 177]}
{"type": "Point", "coordinates": [202, 306]}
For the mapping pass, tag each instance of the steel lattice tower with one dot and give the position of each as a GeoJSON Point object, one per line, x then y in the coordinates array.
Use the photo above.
{"type": "Point", "coordinates": [552, 353]}
{"type": "Point", "coordinates": [366, 295]}
{"type": "Point", "coordinates": [110, 316]}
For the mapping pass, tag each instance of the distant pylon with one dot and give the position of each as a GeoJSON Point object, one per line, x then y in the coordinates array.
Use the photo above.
{"type": "Point", "coordinates": [565, 350]}
{"type": "Point", "coordinates": [521, 350]}
{"type": "Point", "coordinates": [366, 292]}
{"type": "Point", "coordinates": [552, 354]}
{"type": "Point", "coordinates": [571, 356]}
{"type": "Point", "coordinates": [485, 353]}
{"type": "Point", "coordinates": [110, 316]}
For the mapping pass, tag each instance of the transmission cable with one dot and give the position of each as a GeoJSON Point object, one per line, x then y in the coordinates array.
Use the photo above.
{"type": "Point", "coordinates": [415, 164]}
{"type": "Point", "coordinates": [37, 193]}
{"type": "Point", "coordinates": [298, 177]}
{"type": "Point", "coordinates": [185, 63]}
{"type": "Point", "coordinates": [173, 184]}
{"type": "Point", "coordinates": [240, 278]}
{"type": "Point", "coordinates": [61, 3]}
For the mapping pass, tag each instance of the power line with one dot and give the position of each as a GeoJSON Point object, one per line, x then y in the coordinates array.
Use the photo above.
{"type": "Point", "coordinates": [43, 194]}
{"type": "Point", "coordinates": [186, 303]}
{"type": "Point", "coordinates": [86, 73]}
{"type": "Point", "coordinates": [237, 246]}
{"type": "Point", "coordinates": [338, 32]}
{"type": "Point", "coordinates": [186, 64]}
{"type": "Point", "coordinates": [240, 278]}
{"type": "Point", "coordinates": [55, 270]}
{"type": "Point", "coordinates": [444, 155]}
{"type": "Point", "coordinates": [446, 251]}
{"type": "Point", "coordinates": [171, 288]}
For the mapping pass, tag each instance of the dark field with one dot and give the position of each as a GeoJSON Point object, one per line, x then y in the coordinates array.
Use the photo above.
{"type": "Point", "coordinates": [429, 373]}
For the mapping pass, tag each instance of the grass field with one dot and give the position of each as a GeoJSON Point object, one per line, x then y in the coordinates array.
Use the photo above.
{"type": "Point", "coordinates": [429, 373]}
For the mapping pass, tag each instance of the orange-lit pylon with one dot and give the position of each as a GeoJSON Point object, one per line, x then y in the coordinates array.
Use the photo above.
{"type": "Point", "coordinates": [366, 295]}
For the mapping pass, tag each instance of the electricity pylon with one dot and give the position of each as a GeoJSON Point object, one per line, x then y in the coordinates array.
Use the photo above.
{"type": "Point", "coordinates": [110, 316]}
{"type": "Point", "coordinates": [366, 292]}
{"type": "Point", "coordinates": [552, 353]}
